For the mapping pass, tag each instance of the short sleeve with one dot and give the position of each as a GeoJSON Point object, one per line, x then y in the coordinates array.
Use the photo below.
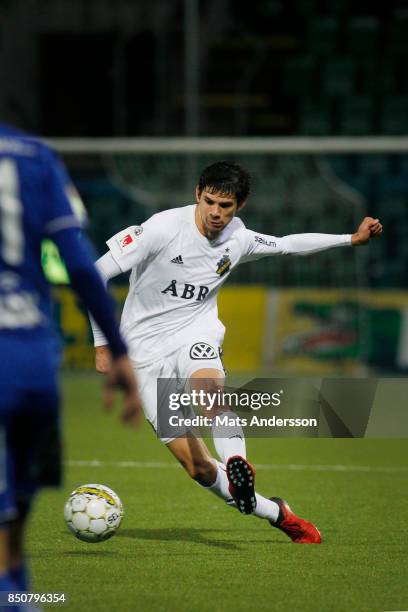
{"type": "Point", "coordinates": [135, 244]}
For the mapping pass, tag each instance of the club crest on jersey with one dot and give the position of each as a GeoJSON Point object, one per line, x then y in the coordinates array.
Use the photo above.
{"type": "Point", "coordinates": [223, 265]}
{"type": "Point", "coordinates": [202, 350]}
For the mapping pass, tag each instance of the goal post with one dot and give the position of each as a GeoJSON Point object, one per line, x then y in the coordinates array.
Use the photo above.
{"type": "Point", "coordinates": [216, 145]}
{"type": "Point", "coordinates": [294, 190]}
{"type": "Point", "coordinates": [299, 185]}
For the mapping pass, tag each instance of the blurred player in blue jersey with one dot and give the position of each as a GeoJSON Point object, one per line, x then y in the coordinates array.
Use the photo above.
{"type": "Point", "coordinates": [33, 206]}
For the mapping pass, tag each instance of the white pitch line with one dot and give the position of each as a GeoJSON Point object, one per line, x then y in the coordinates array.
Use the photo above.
{"type": "Point", "coordinates": [259, 466]}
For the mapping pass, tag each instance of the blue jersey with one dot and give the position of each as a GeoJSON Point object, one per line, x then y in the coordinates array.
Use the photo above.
{"type": "Point", "coordinates": [33, 205]}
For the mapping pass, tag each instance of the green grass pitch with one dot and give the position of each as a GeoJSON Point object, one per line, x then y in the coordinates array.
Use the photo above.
{"type": "Point", "coordinates": [180, 548]}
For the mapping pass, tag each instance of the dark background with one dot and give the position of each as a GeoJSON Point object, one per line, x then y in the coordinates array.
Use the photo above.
{"type": "Point", "coordinates": [225, 68]}
{"type": "Point", "coordinates": [270, 67]}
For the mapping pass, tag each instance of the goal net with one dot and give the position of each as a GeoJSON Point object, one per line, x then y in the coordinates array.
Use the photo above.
{"type": "Point", "coordinates": [298, 185]}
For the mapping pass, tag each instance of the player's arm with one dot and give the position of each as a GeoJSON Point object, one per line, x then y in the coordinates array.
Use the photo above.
{"type": "Point", "coordinates": [107, 268]}
{"type": "Point", "coordinates": [127, 249]}
{"type": "Point", "coordinates": [88, 285]}
{"type": "Point", "coordinates": [262, 245]}
{"type": "Point", "coordinates": [62, 225]}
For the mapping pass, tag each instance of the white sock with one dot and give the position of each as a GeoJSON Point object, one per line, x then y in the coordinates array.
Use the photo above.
{"type": "Point", "coordinates": [228, 439]}
{"type": "Point", "coordinates": [265, 508]}
{"type": "Point", "coordinates": [220, 486]}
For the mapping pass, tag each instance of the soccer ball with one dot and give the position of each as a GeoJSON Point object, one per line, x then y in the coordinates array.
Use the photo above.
{"type": "Point", "coordinates": [93, 512]}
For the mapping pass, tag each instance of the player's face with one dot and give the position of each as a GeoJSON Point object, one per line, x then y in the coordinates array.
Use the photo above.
{"type": "Point", "coordinates": [214, 211]}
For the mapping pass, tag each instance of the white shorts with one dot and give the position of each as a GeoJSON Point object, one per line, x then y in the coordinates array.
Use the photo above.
{"type": "Point", "coordinates": [178, 366]}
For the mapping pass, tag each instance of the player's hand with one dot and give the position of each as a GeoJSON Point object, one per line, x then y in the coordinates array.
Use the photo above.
{"type": "Point", "coordinates": [122, 376]}
{"type": "Point", "coordinates": [369, 228]}
{"type": "Point", "coordinates": [103, 359]}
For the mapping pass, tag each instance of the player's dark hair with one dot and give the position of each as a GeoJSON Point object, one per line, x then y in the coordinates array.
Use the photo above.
{"type": "Point", "coordinates": [228, 178]}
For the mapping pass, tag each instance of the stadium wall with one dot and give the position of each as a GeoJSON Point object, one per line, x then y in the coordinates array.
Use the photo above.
{"type": "Point", "coordinates": [285, 331]}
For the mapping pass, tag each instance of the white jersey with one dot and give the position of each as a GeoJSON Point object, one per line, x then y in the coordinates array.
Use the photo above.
{"type": "Point", "coordinates": [176, 274]}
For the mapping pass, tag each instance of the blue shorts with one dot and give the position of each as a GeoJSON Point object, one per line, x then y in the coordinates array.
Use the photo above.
{"type": "Point", "coordinates": [30, 446]}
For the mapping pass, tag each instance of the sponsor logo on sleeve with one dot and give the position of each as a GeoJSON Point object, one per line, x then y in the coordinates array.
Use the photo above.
{"type": "Point", "coordinates": [126, 240]}
{"type": "Point", "coordinates": [129, 239]}
{"type": "Point", "coordinates": [269, 243]}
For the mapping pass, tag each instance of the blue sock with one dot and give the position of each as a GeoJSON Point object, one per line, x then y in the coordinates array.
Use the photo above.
{"type": "Point", "coordinates": [8, 584]}
{"type": "Point", "coordinates": [20, 576]}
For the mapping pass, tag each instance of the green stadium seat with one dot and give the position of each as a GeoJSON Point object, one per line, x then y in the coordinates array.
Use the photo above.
{"type": "Point", "coordinates": [299, 74]}
{"type": "Point", "coordinates": [377, 76]}
{"type": "Point", "coordinates": [338, 7]}
{"type": "Point", "coordinates": [228, 56]}
{"type": "Point", "coordinates": [338, 76]}
{"type": "Point", "coordinates": [397, 39]}
{"type": "Point", "coordinates": [323, 35]}
{"type": "Point", "coordinates": [362, 36]}
{"type": "Point", "coordinates": [356, 116]}
{"type": "Point", "coordinates": [303, 8]}
{"type": "Point", "coordinates": [394, 115]}
{"type": "Point", "coordinates": [315, 118]}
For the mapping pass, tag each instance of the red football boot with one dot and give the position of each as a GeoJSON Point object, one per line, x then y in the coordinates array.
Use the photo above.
{"type": "Point", "coordinates": [241, 478]}
{"type": "Point", "coordinates": [299, 530]}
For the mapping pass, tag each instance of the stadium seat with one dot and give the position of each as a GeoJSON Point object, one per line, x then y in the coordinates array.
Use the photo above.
{"type": "Point", "coordinates": [227, 58]}
{"type": "Point", "coordinates": [323, 35]}
{"type": "Point", "coordinates": [303, 8]}
{"type": "Point", "coordinates": [356, 116]}
{"type": "Point", "coordinates": [376, 76]}
{"type": "Point", "coordinates": [315, 117]}
{"type": "Point", "coordinates": [338, 7]}
{"type": "Point", "coordinates": [338, 76]}
{"type": "Point", "coordinates": [397, 39]}
{"type": "Point", "coordinates": [299, 76]}
{"type": "Point", "coordinates": [362, 36]}
{"type": "Point", "coordinates": [394, 115]}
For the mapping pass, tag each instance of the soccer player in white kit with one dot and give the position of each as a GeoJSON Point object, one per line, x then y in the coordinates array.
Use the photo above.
{"type": "Point", "coordinates": [179, 259]}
